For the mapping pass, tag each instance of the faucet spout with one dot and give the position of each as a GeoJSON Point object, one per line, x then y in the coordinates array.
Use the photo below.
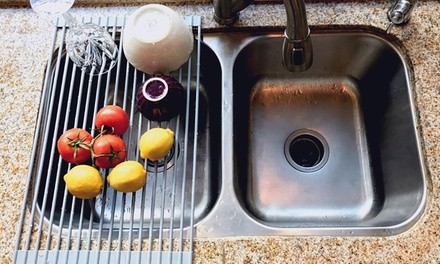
{"type": "Point", "coordinates": [297, 45]}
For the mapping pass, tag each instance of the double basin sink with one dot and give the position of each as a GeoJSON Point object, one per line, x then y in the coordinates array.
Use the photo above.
{"type": "Point", "coordinates": [333, 150]}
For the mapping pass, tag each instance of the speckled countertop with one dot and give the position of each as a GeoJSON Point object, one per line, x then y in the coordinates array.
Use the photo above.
{"type": "Point", "coordinates": [24, 44]}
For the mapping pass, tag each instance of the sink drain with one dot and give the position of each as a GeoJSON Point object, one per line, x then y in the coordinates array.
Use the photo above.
{"type": "Point", "coordinates": [167, 162]}
{"type": "Point", "coordinates": [306, 150]}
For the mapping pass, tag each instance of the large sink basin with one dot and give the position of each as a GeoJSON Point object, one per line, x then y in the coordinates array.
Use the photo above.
{"type": "Point", "coordinates": [330, 151]}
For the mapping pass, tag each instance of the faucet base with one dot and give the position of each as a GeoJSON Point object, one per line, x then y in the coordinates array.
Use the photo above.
{"type": "Point", "coordinates": [226, 21]}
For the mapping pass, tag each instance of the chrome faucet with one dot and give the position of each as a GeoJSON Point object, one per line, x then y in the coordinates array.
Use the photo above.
{"type": "Point", "coordinates": [297, 45]}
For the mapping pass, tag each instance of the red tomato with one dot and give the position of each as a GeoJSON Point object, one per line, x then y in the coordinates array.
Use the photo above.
{"type": "Point", "coordinates": [74, 145]}
{"type": "Point", "coordinates": [109, 150]}
{"type": "Point", "coordinates": [112, 119]}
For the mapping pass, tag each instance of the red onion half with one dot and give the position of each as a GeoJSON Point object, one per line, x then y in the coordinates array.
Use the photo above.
{"type": "Point", "coordinates": [160, 98]}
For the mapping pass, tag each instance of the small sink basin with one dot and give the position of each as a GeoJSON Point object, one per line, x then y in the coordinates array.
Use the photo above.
{"type": "Point", "coordinates": [92, 94]}
{"type": "Point", "coordinates": [335, 146]}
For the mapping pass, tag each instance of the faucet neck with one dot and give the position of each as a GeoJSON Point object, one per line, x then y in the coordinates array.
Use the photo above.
{"type": "Point", "coordinates": [297, 27]}
{"type": "Point", "coordinates": [297, 45]}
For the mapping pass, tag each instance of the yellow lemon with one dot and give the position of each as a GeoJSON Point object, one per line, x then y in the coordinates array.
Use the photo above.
{"type": "Point", "coordinates": [127, 176]}
{"type": "Point", "coordinates": [84, 181]}
{"type": "Point", "coordinates": [156, 143]}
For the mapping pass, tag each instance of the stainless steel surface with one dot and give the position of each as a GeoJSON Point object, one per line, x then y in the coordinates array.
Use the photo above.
{"type": "Point", "coordinates": [272, 105]}
{"type": "Point", "coordinates": [358, 96]}
{"type": "Point", "coordinates": [157, 222]}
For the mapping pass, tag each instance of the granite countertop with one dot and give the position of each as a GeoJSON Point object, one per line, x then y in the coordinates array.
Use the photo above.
{"type": "Point", "coordinates": [25, 42]}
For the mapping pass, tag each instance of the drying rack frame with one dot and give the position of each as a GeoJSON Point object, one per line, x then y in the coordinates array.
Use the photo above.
{"type": "Point", "coordinates": [78, 239]}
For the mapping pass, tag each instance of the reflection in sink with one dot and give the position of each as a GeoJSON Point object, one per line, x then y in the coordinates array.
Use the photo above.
{"type": "Point", "coordinates": [355, 99]}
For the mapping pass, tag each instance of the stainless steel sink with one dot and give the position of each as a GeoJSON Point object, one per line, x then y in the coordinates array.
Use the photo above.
{"type": "Point", "coordinates": [330, 151]}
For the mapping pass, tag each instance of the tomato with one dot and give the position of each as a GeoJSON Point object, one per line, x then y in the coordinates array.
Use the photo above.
{"type": "Point", "coordinates": [113, 119]}
{"type": "Point", "coordinates": [109, 150]}
{"type": "Point", "coordinates": [74, 145]}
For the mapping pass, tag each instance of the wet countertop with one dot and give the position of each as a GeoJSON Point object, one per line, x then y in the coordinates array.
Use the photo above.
{"type": "Point", "coordinates": [25, 41]}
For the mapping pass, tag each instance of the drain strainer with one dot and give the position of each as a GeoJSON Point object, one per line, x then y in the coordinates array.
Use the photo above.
{"type": "Point", "coordinates": [167, 162]}
{"type": "Point", "coordinates": [306, 150]}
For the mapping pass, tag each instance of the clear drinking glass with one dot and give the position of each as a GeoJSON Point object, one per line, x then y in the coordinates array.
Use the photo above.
{"type": "Point", "coordinates": [88, 45]}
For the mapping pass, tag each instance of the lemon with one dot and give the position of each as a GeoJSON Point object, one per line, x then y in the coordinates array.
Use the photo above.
{"type": "Point", "coordinates": [84, 181]}
{"type": "Point", "coordinates": [156, 143]}
{"type": "Point", "coordinates": [127, 176]}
